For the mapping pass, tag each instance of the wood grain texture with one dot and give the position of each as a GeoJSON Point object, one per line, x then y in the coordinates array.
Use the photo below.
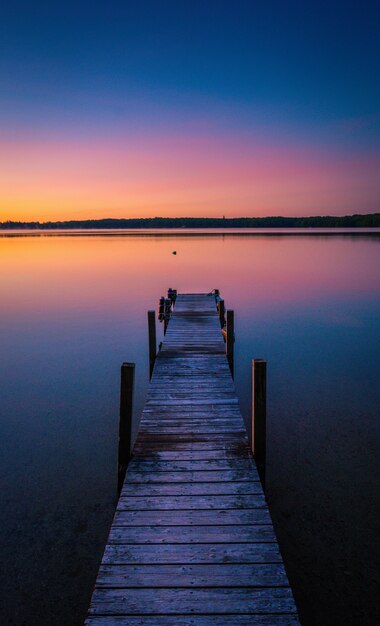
{"type": "Point", "coordinates": [192, 543]}
{"type": "Point", "coordinates": [189, 517]}
{"type": "Point", "coordinates": [199, 620]}
{"type": "Point", "coordinates": [230, 575]}
{"type": "Point", "coordinates": [215, 600]}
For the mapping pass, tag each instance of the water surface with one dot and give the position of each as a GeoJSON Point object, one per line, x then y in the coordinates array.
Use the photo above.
{"type": "Point", "coordinates": [73, 307]}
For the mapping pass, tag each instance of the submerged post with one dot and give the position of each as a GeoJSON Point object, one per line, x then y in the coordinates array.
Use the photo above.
{"type": "Point", "coordinates": [125, 423]}
{"type": "Point", "coordinates": [152, 341]}
{"type": "Point", "coordinates": [230, 340]}
{"type": "Point", "coordinates": [259, 408]}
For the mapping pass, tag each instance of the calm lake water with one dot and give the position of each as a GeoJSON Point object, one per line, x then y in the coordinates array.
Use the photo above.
{"type": "Point", "coordinates": [73, 307]}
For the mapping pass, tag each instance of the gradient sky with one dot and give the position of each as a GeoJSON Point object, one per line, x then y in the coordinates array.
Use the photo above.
{"type": "Point", "coordinates": [126, 109]}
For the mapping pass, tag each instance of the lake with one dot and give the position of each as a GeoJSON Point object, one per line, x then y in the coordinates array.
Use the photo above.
{"type": "Point", "coordinates": [73, 308]}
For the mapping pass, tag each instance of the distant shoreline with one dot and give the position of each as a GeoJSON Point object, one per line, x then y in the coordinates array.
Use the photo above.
{"type": "Point", "coordinates": [369, 220]}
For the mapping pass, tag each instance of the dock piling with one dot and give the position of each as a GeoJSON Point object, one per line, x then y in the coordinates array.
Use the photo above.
{"type": "Point", "coordinates": [220, 306]}
{"type": "Point", "coordinates": [230, 340]}
{"type": "Point", "coordinates": [125, 423]}
{"type": "Point", "coordinates": [161, 308]}
{"type": "Point", "coordinates": [258, 438]}
{"type": "Point", "coordinates": [168, 305]}
{"type": "Point", "coordinates": [152, 341]}
{"type": "Point", "coordinates": [172, 295]}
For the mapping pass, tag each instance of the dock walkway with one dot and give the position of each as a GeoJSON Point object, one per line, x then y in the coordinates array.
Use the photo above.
{"type": "Point", "coordinates": [192, 541]}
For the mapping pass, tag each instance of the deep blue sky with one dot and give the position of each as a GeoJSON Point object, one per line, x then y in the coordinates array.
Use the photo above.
{"type": "Point", "coordinates": [302, 70]}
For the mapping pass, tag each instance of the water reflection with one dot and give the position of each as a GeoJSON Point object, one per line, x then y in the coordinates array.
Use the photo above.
{"type": "Point", "coordinates": [74, 307]}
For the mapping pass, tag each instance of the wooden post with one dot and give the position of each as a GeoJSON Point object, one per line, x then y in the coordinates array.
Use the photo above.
{"type": "Point", "coordinates": [230, 340]}
{"type": "Point", "coordinates": [168, 304]}
{"type": "Point", "coordinates": [152, 341]}
{"type": "Point", "coordinates": [259, 402]}
{"type": "Point", "coordinates": [125, 423]}
{"type": "Point", "coordinates": [172, 295]}
{"type": "Point", "coordinates": [221, 312]}
{"type": "Point", "coordinates": [161, 308]}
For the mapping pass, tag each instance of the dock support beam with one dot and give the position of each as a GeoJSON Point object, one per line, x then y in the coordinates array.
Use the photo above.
{"type": "Point", "coordinates": [259, 410]}
{"type": "Point", "coordinates": [125, 423]}
{"type": "Point", "coordinates": [161, 308]}
{"type": "Point", "coordinates": [172, 295]}
{"type": "Point", "coordinates": [167, 311]}
{"type": "Point", "coordinates": [230, 340]}
{"type": "Point", "coordinates": [220, 306]}
{"type": "Point", "coordinates": [152, 341]}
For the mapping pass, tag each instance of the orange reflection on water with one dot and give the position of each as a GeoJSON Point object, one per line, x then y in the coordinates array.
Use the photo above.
{"type": "Point", "coordinates": [104, 273]}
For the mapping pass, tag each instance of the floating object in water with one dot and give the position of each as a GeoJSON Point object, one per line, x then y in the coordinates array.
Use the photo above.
{"type": "Point", "coordinates": [174, 252]}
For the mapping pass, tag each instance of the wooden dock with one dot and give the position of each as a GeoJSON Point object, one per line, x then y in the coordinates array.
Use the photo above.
{"type": "Point", "coordinates": [192, 541]}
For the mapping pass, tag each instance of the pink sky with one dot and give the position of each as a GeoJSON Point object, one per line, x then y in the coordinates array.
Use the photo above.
{"type": "Point", "coordinates": [189, 174]}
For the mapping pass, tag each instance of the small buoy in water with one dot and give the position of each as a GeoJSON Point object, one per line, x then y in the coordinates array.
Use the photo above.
{"type": "Point", "coordinates": [174, 252]}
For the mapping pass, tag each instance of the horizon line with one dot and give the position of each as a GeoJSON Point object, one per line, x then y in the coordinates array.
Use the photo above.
{"type": "Point", "coordinates": [221, 219]}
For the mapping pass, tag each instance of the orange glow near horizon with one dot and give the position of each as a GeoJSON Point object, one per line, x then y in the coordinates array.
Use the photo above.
{"type": "Point", "coordinates": [179, 176]}
{"type": "Point", "coordinates": [70, 275]}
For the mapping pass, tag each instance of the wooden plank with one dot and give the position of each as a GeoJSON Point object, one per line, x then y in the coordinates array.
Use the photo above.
{"type": "Point", "coordinates": [191, 411]}
{"type": "Point", "coordinates": [198, 517]}
{"type": "Point", "coordinates": [188, 601]}
{"type": "Point", "coordinates": [258, 533]}
{"type": "Point", "coordinates": [175, 503]}
{"type": "Point", "coordinates": [193, 401]}
{"type": "Point", "coordinates": [228, 575]}
{"type": "Point", "coordinates": [199, 620]}
{"type": "Point", "coordinates": [192, 465]}
{"type": "Point", "coordinates": [216, 476]}
{"type": "Point", "coordinates": [191, 437]}
{"type": "Point", "coordinates": [220, 446]}
{"type": "Point", "coordinates": [197, 430]}
{"type": "Point", "coordinates": [177, 421]}
{"type": "Point", "coordinates": [191, 455]}
{"type": "Point", "coordinates": [192, 489]}
{"type": "Point", "coordinates": [193, 553]}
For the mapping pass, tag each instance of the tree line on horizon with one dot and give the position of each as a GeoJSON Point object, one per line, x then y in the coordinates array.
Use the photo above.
{"type": "Point", "coordinates": [347, 221]}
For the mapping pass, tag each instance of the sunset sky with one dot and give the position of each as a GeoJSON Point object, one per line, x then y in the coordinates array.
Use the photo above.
{"type": "Point", "coordinates": [176, 108]}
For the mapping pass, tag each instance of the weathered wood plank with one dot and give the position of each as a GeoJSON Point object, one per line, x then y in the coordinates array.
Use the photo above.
{"type": "Point", "coordinates": [192, 437]}
{"type": "Point", "coordinates": [216, 476]}
{"type": "Point", "coordinates": [201, 600]}
{"type": "Point", "coordinates": [179, 422]}
{"type": "Point", "coordinates": [192, 489]}
{"type": "Point", "coordinates": [199, 620]}
{"type": "Point", "coordinates": [193, 465]}
{"type": "Point", "coordinates": [191, 455]}
{"type": "Point", "coordinates": [197, 517]}
{"type": "Point", "coordinates": [193, 553]}
{"type": "Point", "coordinates": [195, 411]}
{"type": "Point", "coordinates": [175, 503]}
{"type": "Point", "coordinates": [196, 430]}
{"type": "Point", "coordinates": [228, 575]}
{"type": "Point", "coordinates": [221, 443]}
{"type": "Point", "coordinates": [192, 534]}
